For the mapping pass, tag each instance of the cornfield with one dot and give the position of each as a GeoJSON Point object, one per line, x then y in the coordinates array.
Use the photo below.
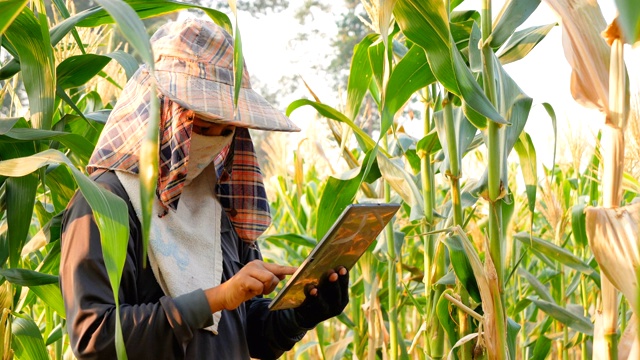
{"type": "Point", "coordinates": [515, 263]}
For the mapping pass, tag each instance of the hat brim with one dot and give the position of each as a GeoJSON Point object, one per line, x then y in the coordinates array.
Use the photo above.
{"type": "Point", "coordinates": [214, 102]}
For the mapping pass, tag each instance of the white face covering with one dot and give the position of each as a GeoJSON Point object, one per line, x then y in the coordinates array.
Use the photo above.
{"type": "Point", "coordinates": [202, 152]}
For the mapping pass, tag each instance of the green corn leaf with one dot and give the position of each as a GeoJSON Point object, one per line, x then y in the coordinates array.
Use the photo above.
{"type": "Point", "coordinates": [464, 130]}
{"type": "Point", "coordinates": [21, 195]}
{"type": "Point", "coordinates": [554, 252]}
{"type": "Point", "coordinates": [522, 42]}
{"type": "Point", "coordinates": [411, 74]}
{"type": "Point", "coordinates": [574, 321]}
{"type": "Point", "coordinates": [76, 143]}
{"type": "Point", "coordinates": [475, 54]}
{"type": "Point", "coordinates": [445, 318]}
{"type": "Point", "coordinates": [126, 60]}
{"type": "Point", "coordinates": [512, 15]}
{"type": "Point", "coordinates": [148, 172]}
{"type": "Point", "coordinates": [543, 344]}
{"type": "Point", "coordinates": [552, 116]}
{"type": "Point", "coordinates": [51, 295]}
{"type": "Point", "coordinates": [426, 24]}
{"type": "Point", "coordinates": [9, 10]}
{"type": "Point", "coordinates": [578, 225]}
{"type": "Point", "coordinates": [54, 335]}
{"type": "Point", "coordinates": [513, 328]}
{"type": "Point", "coordinates": [26, 277]}
{"type": "Point", "coordinates": [76, 70]}
{"type": "Point", "coordinates": [7, 124]}
{"type": "Point", "coordinates": [529, 167]}
{"type": "Point", "coordinates": [296, 239]}
{"type": "Point", "coordinates": [629, 19]}
{"type": "Point", "coordinates": [131, 28]}
{"type": "Point", "coordinates": [364, 140]}
{"type": "Point", "coordinates": [462, 266]}
{"type": "Point", "coordinates": [429, 144]}
{"type": "Point", "coordinates": [151, 8]}
{"type": "Point", "coordinates": [359, 76]}
{"type": "Point", "coordinates": [36, 56]}
{"type": "Point", "coordinates": [27, 340]}
{"type": "Point", "coordinates": [376, 59]}
{"type": "Point", "coordinates": [403, 183]}
{"type": "Point", "coordinates": [62, 8]}
{"type": "Point", "coordinates": [340, 192]}
{"type": "Point", "coordinates": [238, 59]}
{"type": "Point", "coordinates": [109, 210]}
{"type": "Point", "coordinates": [537, 286]}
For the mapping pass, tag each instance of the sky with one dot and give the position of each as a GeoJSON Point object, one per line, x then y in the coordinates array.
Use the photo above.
{"type": "Point", "coordinates": [544, 74]}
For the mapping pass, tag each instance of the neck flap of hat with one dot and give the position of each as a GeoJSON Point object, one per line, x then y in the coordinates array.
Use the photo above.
{"type": "Point", "coordinates": [239, 187]}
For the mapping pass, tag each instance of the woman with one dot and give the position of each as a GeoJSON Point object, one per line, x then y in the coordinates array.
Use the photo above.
{"type": "Point", "coordinates": [201, 296]}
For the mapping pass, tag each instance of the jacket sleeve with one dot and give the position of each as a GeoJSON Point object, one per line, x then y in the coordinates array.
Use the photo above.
{"type": "Point", "coordinates": [269, 333]}
{"type": "Point", "coordinates": [153, 330]}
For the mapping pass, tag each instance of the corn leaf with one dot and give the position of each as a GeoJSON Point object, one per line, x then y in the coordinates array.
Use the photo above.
{"type": "Point", "coordinates": [411, 74]}
{"type": "Point", "coordinates": [529, 167]}
{"type": "Point", "coordinates": [27, 340]}
{"type": "Point", "coordinates": [574, 321]}
{"type": "Point", "coordinates": [51, 295]}
{"type": "Point", "coordinates": [75, 71]}
{"type": "Point", "coordinates": [238, 58]}
{"type": "Point", "coordinates": [21, 194]}
{"type": "Point", "coordinates": [445, 318]}
{"type": "Point", "coordinates": [109, 210]}
{"type": "Point", "coordinates": [364, 140]}
{"type": "Point", "coordinates": [462, 265]}
{"type": "Point", "coordinates": [35, 53]}
{"type": "Point", "coordinates": [126, 60]}
{"type": "Point", "coordinates": [629, 19]}
{"type": "Point", "coordinates": [426, 24]}
{"type": "Point", "coordinates": [151, 8]}
{"type": "Point", "coordinates": [512, 15]}
{"type": "Point", "coordinates": [359, 76]}
{"type": "Point", "coordinates": [542, 346]}
{"type": "Point", "coordinates": [554, 252]}
{"type": "Point", "coordinates": [402, 182]}
{"type": "Point", "coordinates": [536, 285]}
{"type": "Point", "coordinates": [340, 192]}
{"type": "Point", "coordinates": [464, 134]}
{"type": "Point", "coordinates": [9, 10]}
{"type": "Point", "coordinates": [585, 50]}
{"type": "Point", "coordinates": [7, 124]}
{"type": "Point", "coordinates": [131, 28]}
{"type": "Point", "coordinates": [522, 42]}
{"type": "Point", "coordinates": [613, 238]}
{"type": "Point", "coordinates": [578, 224]}
{"type": "Point", "coordinates": [76, 143]}
{"type": "Point", "coordinates": [26, 277]}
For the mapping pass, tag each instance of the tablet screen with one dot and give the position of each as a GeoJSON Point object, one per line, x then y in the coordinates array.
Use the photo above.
{"type": "Point", "coordinates": [346, 241]}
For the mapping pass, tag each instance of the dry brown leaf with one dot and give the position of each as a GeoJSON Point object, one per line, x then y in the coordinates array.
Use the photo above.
{"type": "Point", "coordinates": [585, 50]}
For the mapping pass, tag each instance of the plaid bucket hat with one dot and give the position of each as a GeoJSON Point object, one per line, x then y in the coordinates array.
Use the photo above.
{"type": "Point", "coordinates": [194, 68]}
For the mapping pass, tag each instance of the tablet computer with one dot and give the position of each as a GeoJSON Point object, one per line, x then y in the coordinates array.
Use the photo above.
{"type": "Point", "coordinates": [349, 237]}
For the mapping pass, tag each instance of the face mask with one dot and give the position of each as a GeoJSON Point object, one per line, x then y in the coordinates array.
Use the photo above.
{"type": "Point", "coordinates": [202, 152]}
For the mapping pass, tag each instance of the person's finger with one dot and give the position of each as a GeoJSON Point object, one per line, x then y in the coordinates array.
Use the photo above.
{"type": "Point", "coordinates": [251, 287]}
{"type": "Point", "coordinates": [280, 270]}
{"type": "Point", "coordinates": [270, 286]}
{"type": "Point", "coordinates": [333, 276]}
{"type": "Point", "coordinates": [342, 271]}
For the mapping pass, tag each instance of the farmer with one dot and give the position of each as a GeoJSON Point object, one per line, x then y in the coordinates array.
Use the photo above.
{"type": "Point", "coordinates": [200, 296]}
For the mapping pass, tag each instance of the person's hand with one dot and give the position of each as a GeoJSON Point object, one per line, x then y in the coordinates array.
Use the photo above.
{"type": "Point", "coordinates": [255, 278]}
{"type": "Point", "coordinates": [326, 300]}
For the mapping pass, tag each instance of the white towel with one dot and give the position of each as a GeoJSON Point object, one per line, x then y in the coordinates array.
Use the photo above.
{"type": "Point", "coordinates": [184, 246]}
